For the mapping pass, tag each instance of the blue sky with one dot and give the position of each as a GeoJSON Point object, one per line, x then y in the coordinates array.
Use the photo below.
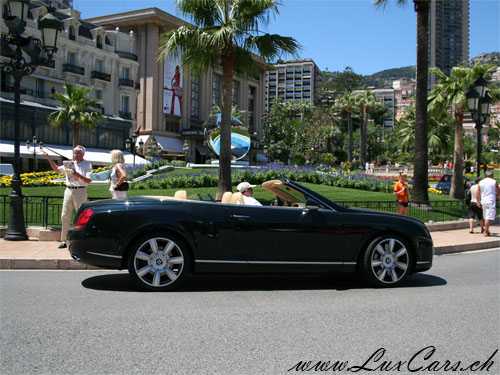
{"type": "Point", "coordinates": [340, 33]}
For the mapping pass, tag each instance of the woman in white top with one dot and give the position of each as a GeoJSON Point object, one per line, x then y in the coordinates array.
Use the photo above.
{"type": "Point", "coordinates": [118, 175]}
{"type": "Point", "coordinates": [474, 209]}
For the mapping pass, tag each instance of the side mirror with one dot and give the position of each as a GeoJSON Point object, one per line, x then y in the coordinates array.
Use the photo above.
{"type": "Point", "coordinates": [312, 207]}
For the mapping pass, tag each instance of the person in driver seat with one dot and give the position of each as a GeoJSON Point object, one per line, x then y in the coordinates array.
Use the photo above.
{"type": "Point", "coordinates": [247, 191]}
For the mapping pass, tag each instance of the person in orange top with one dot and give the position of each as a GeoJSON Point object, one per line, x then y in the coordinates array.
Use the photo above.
{"type": "Point", "coordinates": [401, 191]}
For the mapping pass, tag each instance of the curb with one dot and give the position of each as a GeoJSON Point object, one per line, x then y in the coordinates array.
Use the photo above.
{"type": "Point", "coordinates": [453, 249]}
{"type": "Point", "coordinates": [44, 264]}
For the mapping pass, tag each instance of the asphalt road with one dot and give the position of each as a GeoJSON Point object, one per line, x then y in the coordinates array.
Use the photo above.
{"type": "Point", "coordinates": [81, 322]}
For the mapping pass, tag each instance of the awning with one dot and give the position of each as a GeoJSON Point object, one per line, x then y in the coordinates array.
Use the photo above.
{"type": "Point", "coordinates": [168, 144]}
{"type": "Point", "coordinates": [203, 150]}
{"type": "Point", "coordinates": [97, 156]}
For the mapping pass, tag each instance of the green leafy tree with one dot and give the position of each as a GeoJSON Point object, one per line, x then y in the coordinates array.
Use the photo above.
{"type": "Point", "coordinates": [420, 173]}
{"type": "Point", "coordinates": [225, 33]}
{"type": "Point", "coordinates": [365, 101]}
{"type": "Point", "coordinates": [285, 126]}
{"type": "Point", "coordinates": [449, 93]}
{"type": "Point", "coordinates": [76, 110]}
{"type": "Point", "coordinates": [347, 105]}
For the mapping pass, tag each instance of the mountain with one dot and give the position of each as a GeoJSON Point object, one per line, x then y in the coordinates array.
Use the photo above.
{"type": "Point", "coordinates": [385, 77]}
{"type": "Point", "coordinates": [492, 58]}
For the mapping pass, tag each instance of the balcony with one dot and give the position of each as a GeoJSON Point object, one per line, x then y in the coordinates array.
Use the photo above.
{"type": "Point", "coordinates": [127, 55]}
{"type": "Point", "coordinates": [126, 82]}
{"type": "Point", "coordinates": [125, 115]}
{"type": "Point", "coordinates": [74, 69]}
{"type": "Point", "coordinates": [100, 75]}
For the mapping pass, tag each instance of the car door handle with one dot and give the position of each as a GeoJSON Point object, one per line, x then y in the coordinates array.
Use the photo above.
{"type": "Point", "coordinates": [240, 217]}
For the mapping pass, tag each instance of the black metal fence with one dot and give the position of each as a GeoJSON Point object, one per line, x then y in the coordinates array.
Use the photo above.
{"type": "Point", "coordinates": [41, 211]}
{"type": "Point", "coordinates": [46, 211]}
{"type": "Point", "coordinates": [436, 211]}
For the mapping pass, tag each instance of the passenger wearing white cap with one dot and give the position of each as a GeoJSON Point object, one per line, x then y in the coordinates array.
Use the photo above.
{"type": "Point", "coordinates": [247, 191]}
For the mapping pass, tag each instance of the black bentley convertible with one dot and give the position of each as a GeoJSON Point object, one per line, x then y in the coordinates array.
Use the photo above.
{"type": "Point", "coordinates": [161, 240]}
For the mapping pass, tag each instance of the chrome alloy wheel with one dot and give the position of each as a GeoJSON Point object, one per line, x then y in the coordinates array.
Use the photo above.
{"type": "Point", "coordinates": [158, 262]}
{"type": "Point", "coordinates": [389, 260]}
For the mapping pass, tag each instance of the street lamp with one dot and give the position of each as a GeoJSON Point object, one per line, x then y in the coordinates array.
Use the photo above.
{"type": "Point", "coordinates": [185, 148]}
{"type": "Point", "coordinates": [35, 143]}
{"type": "Point", "coordinates": [130, 144]}
{"type": "Point", "coordinates": [479, 102]}
{"type": "Point", "coordinates": [153, 147]}
{"type": "Point", "coordinates": [25, 54]}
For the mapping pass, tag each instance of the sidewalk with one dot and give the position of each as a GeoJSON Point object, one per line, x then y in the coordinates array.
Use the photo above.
{"type": "Point", "coordinates": [35, 254]}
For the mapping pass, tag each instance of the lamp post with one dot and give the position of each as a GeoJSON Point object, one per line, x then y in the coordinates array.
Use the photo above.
{"type": "Point", "coordinates": [25, 54]}
{"type": "Point", "coordinates": [34, 142]}
{"type": "Point", "coordinates": [185, 148]}
{"type": "Point", "coordinates": [479, 102]}
{"type": "Point", "coordinates": [153, 147]}
{"type": "Point", "coordinates": [130, 144]}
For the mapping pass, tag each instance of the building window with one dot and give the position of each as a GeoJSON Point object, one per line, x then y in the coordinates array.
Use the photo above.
{"type": "Point", "coordinates": [98, 94]}
{"type": "Point", "coordinates": [236, 92]}
{"type": "Point", "coordinates": [98, 65]}
{"type": "Point", "coordinates": [195, 95]}
{"type": "Point", "coordinates": [71, 58]}
{"type": "Point", "coordinates": [40, 88]}
{"type": "Point", "coordinates": [125, 73]}
{"type": "Point", "coordinates": [72, 35]}
{"type": "Point", "coordinates": [251, 108]}
{"type": "Point", "coordinates": [216, 90]}
{"type": "Point", "coordinates": [99, 41]}
{"type": "Point", "coordinates": [172, 126]}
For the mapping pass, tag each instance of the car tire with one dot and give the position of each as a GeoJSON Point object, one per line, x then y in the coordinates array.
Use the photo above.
{"type": "Point", "coordinates": [387, 261]}
{"type": "Point", "coordinates": [159, 261]}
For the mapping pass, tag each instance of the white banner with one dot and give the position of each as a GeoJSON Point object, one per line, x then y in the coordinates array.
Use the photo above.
{"type": "Point", "coordinates": [172, 86]}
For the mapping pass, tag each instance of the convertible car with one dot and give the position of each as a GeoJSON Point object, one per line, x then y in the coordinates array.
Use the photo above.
{"type": "Point", "coordinates": [161, 240]}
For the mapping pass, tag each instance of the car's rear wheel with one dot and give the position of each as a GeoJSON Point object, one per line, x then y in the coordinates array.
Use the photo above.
{"type": "Point", "coordinates": [159, 262]}
{"type": "Point", "coordinates": [387, 261]}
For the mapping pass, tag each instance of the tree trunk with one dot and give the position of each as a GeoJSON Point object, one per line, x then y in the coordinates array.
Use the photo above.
{"type": "Point", "coordinates": [351, 140]}
{"type": "Point", "coordinates": [225, 183]}
{"type": "Point", "coordinates": [76, 135]}
{"type": "Point", "coordinates": [363, 137]}
{"type": "Point", "coordinates": [421, 174]}
{"type": "Point", "coordinates": [457, 182]}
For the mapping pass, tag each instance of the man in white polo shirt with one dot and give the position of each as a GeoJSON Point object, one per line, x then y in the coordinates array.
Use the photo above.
{"type": "Point", "coordinates": [247, 191]}
{"type": "Point", "coordinates": [77, 173]}
{"type": "Point", "coordinates": [487, 193]}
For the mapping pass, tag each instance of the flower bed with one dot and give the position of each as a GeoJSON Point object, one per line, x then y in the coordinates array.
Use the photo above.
{"type": "Point", "coordinates": [34, 179]}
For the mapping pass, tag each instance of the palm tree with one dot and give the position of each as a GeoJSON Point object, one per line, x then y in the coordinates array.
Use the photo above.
{"type": "Point", "coordinates": [420, 173]}
{"type": "Point", "coordinates": [225, 33]}
{"type": "Point", "coordinates": [449, 92]}
{"type": "Point", "coordinates": [348, 105]}
{"type": "Point", "coordinates": [76, 109]}
{"type": "Point", "coordinates": [365, 100]}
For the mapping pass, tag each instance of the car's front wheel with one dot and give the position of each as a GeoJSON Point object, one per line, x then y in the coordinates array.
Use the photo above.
{"type": "Point", "coordinates": [387, 261]}
{"type": "Point", "coordinates": [159, 262]}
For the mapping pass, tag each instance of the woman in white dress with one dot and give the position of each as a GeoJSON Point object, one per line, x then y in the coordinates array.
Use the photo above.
{"type": "Point", "coordinates": [118, 175]}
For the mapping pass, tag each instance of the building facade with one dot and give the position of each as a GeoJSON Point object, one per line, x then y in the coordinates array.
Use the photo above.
{"type": "Point", "coordinates": [88, 55]}
{"type": "Point", "coordinates": [174, 104]}
{"type": "Point", "coordinates": [293, 80]}
{"type": "Point", "coordinates": [448, 35]}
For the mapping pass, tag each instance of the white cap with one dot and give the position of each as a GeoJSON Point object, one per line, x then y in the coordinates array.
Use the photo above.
{"type": "Point", "coordinates": [244, 186]}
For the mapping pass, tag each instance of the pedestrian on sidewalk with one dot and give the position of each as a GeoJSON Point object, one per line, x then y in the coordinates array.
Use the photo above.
{"type": "Point", "coordinates": [77, 173]}
{"type": "Point", "coordinates": [401, 191]}
{"type": "Point", "coordinates": [474, 209]}
{"type": "Point", "coordinates": [486, 196]}
{"type": "Point", "coordinates": [118, 175]}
